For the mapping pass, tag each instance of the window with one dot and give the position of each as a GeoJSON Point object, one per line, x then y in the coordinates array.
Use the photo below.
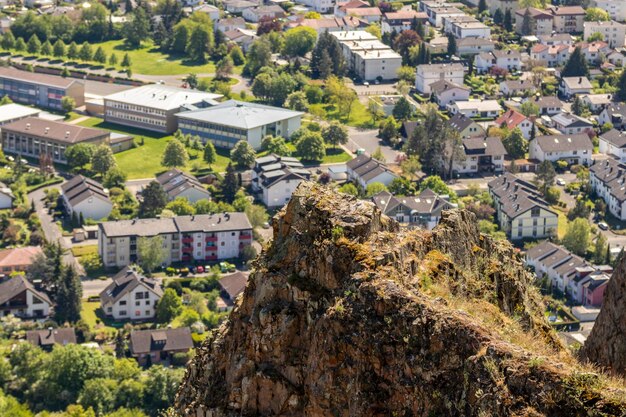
{"type": "Point", "coordinates": [123, 302]}
{"type": "Point", "coordinates": [137, 313]}
{"type": "Point", "coordinates": [147, 302]}
{"type": "Point", "coordinates": [138, 295]}
{"type": "Point", "coordinates": [137, 303]}
{"type": "Point", "coordinates": [122, 312]}
{"type": "Point", "coordinates": [535, 211]}
{"type": "Point", "coordinates": [109, 309]}
{"type": "Point", "coordinates": [222, 244]}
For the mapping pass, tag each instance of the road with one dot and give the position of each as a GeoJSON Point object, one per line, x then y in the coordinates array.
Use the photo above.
{"type": "Point", "coordinates": [50, 229]}
{"type": "Point", "coordinates": [93, 287]}
{"type": "Point", "coordinates": [367, 139]}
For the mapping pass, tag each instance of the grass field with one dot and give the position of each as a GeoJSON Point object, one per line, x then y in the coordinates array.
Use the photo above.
{"type": "Point", "coordinates": [148, 60]}
{"type": "Point", "coordinates": [359, 114]}
{"type": "Point", "coordinates": [79, 251]}
{"type": "Point", "coordinates": [93, 316]}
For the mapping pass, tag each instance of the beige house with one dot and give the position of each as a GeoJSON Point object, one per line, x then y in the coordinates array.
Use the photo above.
{"type": "Point", "coordinates": [540, 21]}
{"type": "Point", "coordinates": [131, 296]}
{"type": "Point", "coordinates": [612, 32]}
{"type": "Point", "coordinates": [567, 19]}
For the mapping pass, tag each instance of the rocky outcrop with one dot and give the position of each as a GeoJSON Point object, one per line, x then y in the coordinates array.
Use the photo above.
{"type": "Point", "coordinates": [347, 315]}
{"type": "Point", "coordinates": [606, 345]}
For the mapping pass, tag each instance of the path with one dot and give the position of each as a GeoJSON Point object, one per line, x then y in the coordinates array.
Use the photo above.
{"type": "Point", "coordinates": [78, 120]}
{"type": "Point", "coordinates": [367, 139]}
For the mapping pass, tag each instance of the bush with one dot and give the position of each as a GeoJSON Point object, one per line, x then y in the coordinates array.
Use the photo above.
{"type": "Point", "coordinates": [553, 195]}
{"type": "Point", "coordinates": [180, 358]}
{"type": "Point", "coordinates": [169, 271]}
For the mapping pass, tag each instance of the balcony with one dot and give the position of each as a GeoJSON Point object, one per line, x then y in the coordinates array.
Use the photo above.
{"type": "Point", "coordinates": [187, 240]}
{"type": "Point", "coordinates": [210, 258]}
{"type": "Point", "coordinates": [245, 236]}
{"type": "Point", "coordinates": [211, 239]}
{"type": "Point", "coordinates": [188, 249]}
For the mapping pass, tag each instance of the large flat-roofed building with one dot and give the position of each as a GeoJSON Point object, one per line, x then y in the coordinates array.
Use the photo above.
{"type": "Point", "coordinates": [41, 90]}
{"type": "Point", "coordinates": [13, 112]}
{"type": "Point", "coordinates": [185, 238]}
{"type": "Point", "coordinates": [232, 121]}
{"type": "Point", "coordinates": [153, 107]}
{"type": "Point", "coordinates": [33, 137]}
{"type": "Point", "coordinates": [368, 57]}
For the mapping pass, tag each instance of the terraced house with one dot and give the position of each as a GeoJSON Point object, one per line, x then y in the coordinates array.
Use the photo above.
{"type": "Point", "coordinates": [520, 209]}
{"type": "Point", "coordinates": [185, 238]}
{"type": "Point", "coordinates": [423, 210]}
{"type": "Point", "coordinates": [608, 181]}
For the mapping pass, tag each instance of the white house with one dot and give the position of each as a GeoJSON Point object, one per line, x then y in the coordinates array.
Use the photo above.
{"type": "Point", "coordinates": [465, 126]}
{"type": "Point", "coordinates": [608, 181]}
{"type": "Point", "coordinates": [476, 108]}
{"type": "Point", "coordinates": [474, 46]}
{"type": "Point", "coordinates": [570, 124]}
{"type": "Point", "coordinates": [446, 92]}
{"type": "Point", "coordinates": [550, 55]}
{"type": "Point", "coordinates": [513, 119]}
{"type": "Point", "coordinates": [428, 74]}
{"type": "Point", "coordinates": [367, 56]}
{"type": "Point", "coordinates": [423, 210]}
{"type": "Point", "coordinates": [481, 155]}
{"type": "Point", "coordinates": [275, 178]}
{"type": "Point", "coordinates": [231, 121]}
{"type": "Point", "coordinates": [507, 60]}
{"type": "Point", "coordinates": [131, 296]}
{"type": "Point", "coordinates": [540, 21]}
{"type": "Point", "coordinates": [615, 8]}
{"type": "Point", "coordinates": [470, 29]}
{"type": "Point", "coordinates": [575, 149]}
{"type": "Point", "coordinates": [177, 183]}
{"type": "Point", "coordinates": [612, 32]}
{"type": "Point", "coordinates": [19, 297]}
{"type": "Point", "coordinates": [517, 87]}
{"type": "Point", "coordinates": [613, 143]}
{"type": "Point", "coordinates": [570, 86]}
{"type": "Point", "coordinates": [255, 14]}
{"type": "Point", "coordinates": [366, 170]}
{"type": "Point", "coordinates": [6, 197]}
{"type": "Point", "coordinates": [596, 102]}
{"type": "Point", "coordinates": [86, 198]}
{"type": "Point", "coordinates": [548, 105]}
{"type": "Point", "coordinates": [614, 113]}
{"type": "Point", "coordinates": [401, 20]}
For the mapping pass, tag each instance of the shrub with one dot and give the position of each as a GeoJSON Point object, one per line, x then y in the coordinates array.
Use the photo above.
{"type": "Point", "coordinates": [180, 359]}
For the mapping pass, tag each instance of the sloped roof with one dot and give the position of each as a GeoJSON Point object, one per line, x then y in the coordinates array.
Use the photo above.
{"type": "Point", "coordinates": [18, 256]}
{"type": "Point", "coordinates": [80, 188]}
{"type": "Point", "coordinates": [164, 340]}
{"type": "Point", "coordinates": [615, 137]}
{"type": "Point", "coordinates": [560, 143]}
{"type": "Point", "coordinates": [161, 96]}
{"type": "Point", "coordinates": [48, 337]}
{"type": "Point", "coordinates": [484, 146]}
{"type": "Point", "coordinates": [58, 131]}
{"type": "Point", "coordinates": [175, 182]}
{"type": "Point", "coordinates": [36, 78]}
{"type": "Point", "coordinates": [233, 284]}
{"type": "Point", "coordinates": [125, 281]}
{"type": "Point", "coordinates": [427, 202]}
{"type": "Point", "coordinates": [511, 118]}
{"type": "Point", "coordinates": [16, 286]}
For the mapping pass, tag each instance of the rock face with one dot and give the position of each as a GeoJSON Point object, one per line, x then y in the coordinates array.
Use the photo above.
{"type": "Point", "coordinates": [606, 345]}
{"type": "Point", "coordinates": [346, 315]}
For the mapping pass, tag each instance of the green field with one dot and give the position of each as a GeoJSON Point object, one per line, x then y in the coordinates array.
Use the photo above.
{"type": "Point", "coordinates": [84, 250]}
{"type": "Point", "coordinates": [148, 60]}
{"type": "Point", "coordinates": [93, 316]}
{"type": "Point", "coordinates": [359, 114]}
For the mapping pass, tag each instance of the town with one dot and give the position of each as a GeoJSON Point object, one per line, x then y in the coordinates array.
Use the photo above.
{"type": "Point", "coordinates": [146, 147]}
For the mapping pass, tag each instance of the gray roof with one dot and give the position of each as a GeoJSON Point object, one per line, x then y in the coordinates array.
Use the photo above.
{"type": "Point", "coordinates": [175, 182]}
{"type": "Point", "coordinates": [233, 284]}
{"type": "Point", "coordinates": [367, 167]}
{"type": "Point", "coordinates": [12, 73]}
{"type": "Point", "coordinates": [80, 188]}
{"type": "Point", "coordinates": [427, 202]}
{"type": "Point", "coordinates": [138, 227]}
{"type": "Point", "coordinates": [560, 143]}
{"type": "Point", "coordinates": [163, 97]}
{"type": "Point", "coordinates": [442, 85]}
{"type": "Point", "coordinates": [548, 101]}
{"type": "Point", "coordinates": [124, 282]}
{"type": "Point", "coordinates": [58, 131]}
{"type": "Point", "coordinates": [571, 120]}
{"type": "Point", "coordinates": [14, 111]}
{"type": "Point", "coordinates": [484, 146]}
{"type": "Point", "coordinates": [577, 82]}
{"type": "Point", "coordinates": [49, 337]}
{"type": "Point", "coordinates": [164, 340]}
{"type": "Point", "coordinates": [516, 196]}
{"type": "Point", "coordinates": [541, 250]}
{"type": "Point", "coordinates": [615, 137]}
{"type": "Point", "coordinates": [612, 174]}
{"type": "Point", "coordinates": [616, 109]}
{"type": "Point", "coordinates": [4, 189]}
{"type": "Point", "coordinates": [15, 286]}
{"type": "Point", "coordinates": [460, 122]}
{"type": "Point", "coordinates": [240, 114]}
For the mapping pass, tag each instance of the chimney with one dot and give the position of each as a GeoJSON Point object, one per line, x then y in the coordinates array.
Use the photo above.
{"type": "Point", "coordinates": [67, 134]}
{"type": "Point", "coordinates": [46, 130]}
{"type": "Point", "coordinates": [27, 126]}
{"type": "Point", "coordinates": [580, 80]}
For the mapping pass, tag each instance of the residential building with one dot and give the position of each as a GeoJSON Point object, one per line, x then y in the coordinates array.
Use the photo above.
{"type": "Point", "coordinates": [508, 60]}
{"type": "Point", "coordinates": [13, 112]}
{"type": "Point", "coordinates": [367, 14]}
{"type": "Point", "coordinates": [465, 126]}
{"type": "Point", "coordinates": [556, 39]}
{"type": "Point", "coordinates": [342, 6]}
{"type": "Point", "coordinates": [423, 210]}
{"type": "Point", "coordinates": [242, 37]}
{"type": "Point", "coordinates": [469, 29]}
{"type": "Point", "coordinates": [131, 296]}
{"type": "Point", "coordinates": [230, 23]}
{"type": "Point", "coordinates": [231, 286]}
{"type": "Point", "coordinates": [40, 90]}
{"type": "Point", "coordinates": [86, 198]}
{"type": "Point", "coordinates": [570, 124]}
{"type": "Point", "coordinates": [320, 6]}
{"type": "Point", "coordinates": [596, 102]}
{"type": "Point", "coordinates": [613, 143]}
{"type": "Point", "coordinates": [46, 339]}
{"type": "Point", "coordinates": [33, 137]}
{"type": "Point", "coordinates": [574, 149]}
{"type": "Point", "coordinates": [540, 21]}
{"type": "Point", "coordinates": [550, 55]}
{"type": "Point", "coordinates": [594, 289]}
{"type": "Point", "coordinates": [17, 259]}
{"type": "Point", "coordinates": [159, 344]}
{"type": "Point", "coordinates": [445, 92]}
{"type": "Point", "coordinates": [231, 121]}
{"type": "Point", "coordinates": [474, 46]}
{"type": "Point", "coordinates": [570, 86]}
{"type": "Point", "coordinates": [153, 107]}
{"type": "Point", "coordinates": [520, 209]}
{"type": "Point", "coordinates": [615, 8]}
{"type": "Point", "coordinates": [594, 52]}
{"type": "Point", "coordinates": [612, 32]}
{"type": "Point", "coordinates": [608, 181]}
{"type": "Point", "coordinates": [210, 10]}
{"type": "Point", "coordinates": [177, 183]}
{"type": "Point", "coordinates": [368, 57]}
{"type": "Point", "coordinates": [6, 196]}
{"type": "Point", "coordinates": [436, 15]}
{"type": "Point", "coordinates": [275, 178]}
{"type": "Point", "coordinates": [366, 170]}
{"type": "Point", "coordinates": [185, 238]}
{"type": "Point", "coordinates": [513, 119]}
{"type": "Point", "coordinates": [438, 45]}
{"type": "Point", "coordinates": [427, 74]}
{"type": "Point", "coordinates": [615, 114]}
{"type": "Point", "coordinates": [503, 5]}
{"type": "Point", "coordinates": [476, 108]}
{"type": "Point", "coordinates": [255, 14]}
{"type": "Point", "coordinates": [401, 20]}
{"type": "Point", "coordinates": [331, 24]}
{"type": "Point", "coordinates": [18, 297]}
{"type": "Point", "coordinates": [567, 19]}
{"type": "Point", "coordinates": [517, 87]}
{"type": "Point", "coordinates": [238, 6]}
{"type": "Point", "coordinates": [481, 155]}
{"type": "Point", "coordinates": [616, 58]}
{"type": "Point", "coordinates": [548, 105]}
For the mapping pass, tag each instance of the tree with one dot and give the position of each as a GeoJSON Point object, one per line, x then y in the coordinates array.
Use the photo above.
{"type": "Point", "coordinates": [528, 108]}
{"type": "Point", "coordinates": [79, 155]}
{"type": "Point", "coordinates": [438, 186]}
{"type": "Point", "coordinates": [20, 45]}
{"type": "Point", "coordinates": [138, 28]}
{"type": "Point", "coordinates": [546, 175]}
{"type": "Point", "coordinates": [515, 144]}
{"type": "Point", "coordinates": [526, 28]}
{"type": "Point", "coordinates": [275, 145]}
{"type": "Point", "coordinates": [482, 6]}
{"type": "Point", "coordinates": [200, 43]}
{"type": "Point", "coordinates": [8, 41]}
{"type": "Point", "coordinates": [98, 395]}
{"type": "Point", "coordinates": [580, 210]}
{"type": "Point", "coordinates": [169, 306]}
{"type": "Point", "coordinates": [374, 188]}
{"type": "Point", "coordinates": [508, 21]}
{"type": "Point", "coordinates": [299, 41]}
{"type": "Point", "coordinates": [126, 62]}
{"type": "Point", "coordinates": [256, 214]}
{"type": "Point", "coordinates": [378, 155]}
{"type": "Point", "coordinates": [410, 166]}
{"type": "Point", "coordinates": [180, 207]}
{"type": "Point", "coordinates": [452, 48]}
{"type": "Point", "coordinates": [297, 101]}
{"type": "Point", "coordinates": [388, 130]}
{"type": "Point", "coordinates": [405, 41]}
{"type": "Point", "coordinates": [406, 73]}
{"type": "Point", "coordinates": [114, 177]}
{"type": "Point", "coordinates": [402, 109]}
{"type": "Point", "coordinates": [175, 154]}
{"type": "Point", "coordinates": [578, 107]}
{"type": "Point", "coordinates": [596, 14]}
{"type": "Point", "coordinates": [34, 45]}
{"type": "Point", "coordinates": [150, 253]}
{"type": "Point", "coordinates": [153, 201]}
{"type": "Point", "coordinates": [113, 59]}
{"type": "Point", "coordinates": [327, 57]}
{"type": "Point", "coordinates": [230, 184]}
{"type": "Point", "coordinates": [224, 68]}
{"type": "Point", "coordinates": [259, 55]}
{"type": "Point", "coordinates": [46, 48]}
{"type": "Point", "coordinates": [242, 154]}
{"type": "Point", "coordinates": [103, 159]}
{"type": "Point", "coordinates": [577, 236]}
{"type": "Point", "coordinates": [600, 249]}
{"type": "Point", "coordinates": [498, 17]}
{"type": "Point", "coordinates": [161, 387]}
{"type": "Point", "coordinates": [209, 155]}
{"type": "Point", "coordinates": [349, 188]}
{"type": "Point", "coordinates": [68, 104]}
{"type": "Point", "coordinates": [85, 53]}
{"type": "Point", "coordinates": [335, 134]}
{"type": "Point", "coordinates": [576, 65]}
{"type": "Point", "coordinates": [553, 194]}
{"type": "Point", "coordinates": [310, 146]}
{"type": "Point", "coordinates": [72, 51]}
{"type": "Point", "coordinates": [69, 296]}
{"type": "Point", "coordinates": [341, 95]}
{"type": "Point", "coordinates": [100, 56]}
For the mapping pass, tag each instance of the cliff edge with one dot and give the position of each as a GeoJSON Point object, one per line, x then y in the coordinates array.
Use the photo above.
{"type": "Point", "coordinates": [347, 315]}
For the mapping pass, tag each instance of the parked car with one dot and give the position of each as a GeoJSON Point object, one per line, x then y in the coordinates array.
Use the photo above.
{"type": "Point", "coordinates": [560, 181]}
{"type": "Point", "coordinates": [227, 267]}
{"type": "Point", "coordinates": [603, 226]}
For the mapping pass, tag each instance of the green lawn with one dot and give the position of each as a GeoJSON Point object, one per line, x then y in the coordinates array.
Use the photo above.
{"type": "Point", "coordinates": [562, 221]}
{"type": "Point", "coordinates": [148, 60]}
{"type": "Point", "coordinates": [333, 155]}
{"type": "Point", "coordinates": [79, 251]}
{"type": "Point", "coordinates": [359, 114]}
{"type": "Point", "coordinates": [145, 161]}
{"type": "Point", "coordinates": [94, 317]}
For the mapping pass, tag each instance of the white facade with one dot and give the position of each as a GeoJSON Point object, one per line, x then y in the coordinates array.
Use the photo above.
{"type": "Point", "coordinates": [367, 57]}
{"type": "Point", "coordinates": [279, 193]}
{"type": "Point", "coordinates": [320, 6]}
{"type": "Point", "coordinates": [451, 95]}
{"type": "Point", "coordinates": [577, 156]}
{"type": "Point", "coordinates": [612, 147]}
{"type": "Point", "coordinates": [612, 32]}
{"type": "Point", "coordinates": [607, 180]}
{"type": "Point", "coordinates": [476, 29]}
{"type": "Point", "coordinates": [429, 73]}
{"type": "Point", "coordinates": [138, 304]}
{"type": "Point", "coordinates": [615, 8]}
{"type": "Point", "coordinates": [476, 108]}
{"type": "Point", "coordinates": [93, 208]}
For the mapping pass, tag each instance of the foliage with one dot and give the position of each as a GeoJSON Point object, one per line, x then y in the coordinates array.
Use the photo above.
{"type": "Point", "coordinates": [209, 154]}
{"type": "Point", "coordinates": [528, 108]}
{"type": "Point", "coordinates": [374, 188]}
{"type": "Point", "coordinates": [150, 253]}
{"type": "Point", "coordinates": [596, 14]}
{"type": "Point", "coordinates": [181, 207]}
{"type": "Point", "coordinates": [310, 145]}
{"type": "Point", "coordinates": [576, 65]}
{"type": "Point", "coordinates": [438, 186]}
{"type": "Point", "coordinates": [327, 57]}
{"type": "Point", "coordinates": [175, 154]}
{"type": "Point", "coordinates": [335, 134]}
{"type": "Point", "coordinates": [169, 306]}
{"type": "Point", "coordinates": [515, 144]}
{"type": "Point", "coordinates": [275, 145]}
{"type": "Point", "coordinates": [577, 236]}
{"type": "Point", "coordinates": [79, 155]}
{"type": "Point", "coordinates": [299, 41]}
{"type": "Point", "coordinates": [114, 177]}
{"type": "Point", "coordinates": [154, 200]}
{"type": "Point", "coordinates": [69, 294]}
{"type": "Point", "coordinates": [349, 188]}
{"type": "Point", "coordinates": [68, 104]}
{"type": "Point", "coordinates": [102, 160]}
{"type": "Point", "coordinates": [230, 185]}
{"type": "Point", "coordinates": [242, 154]}
{"type": "Point", "coordinates": [546, 175]}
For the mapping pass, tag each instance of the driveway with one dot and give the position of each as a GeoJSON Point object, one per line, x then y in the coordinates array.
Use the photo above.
{"type": "Point", "coordinates": [136, 186]}
{"type": "Point", "coordinates": [50, 229]}
{"type": "Point", "coordinates": [367, 139]}
{"type": "Point", "coordinates": [93, 287]}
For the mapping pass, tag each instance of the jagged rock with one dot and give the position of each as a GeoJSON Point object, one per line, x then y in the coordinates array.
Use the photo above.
{"type": "Point", "coordinates": [606, 345]}
{"type": "Point", "coordinates": [347, 315]}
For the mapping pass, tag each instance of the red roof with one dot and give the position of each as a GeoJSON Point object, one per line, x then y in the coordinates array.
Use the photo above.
{"type": "Point", "coordinates": [18, 256]}
{"type": "Point", "coordinates": [511, 118]}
